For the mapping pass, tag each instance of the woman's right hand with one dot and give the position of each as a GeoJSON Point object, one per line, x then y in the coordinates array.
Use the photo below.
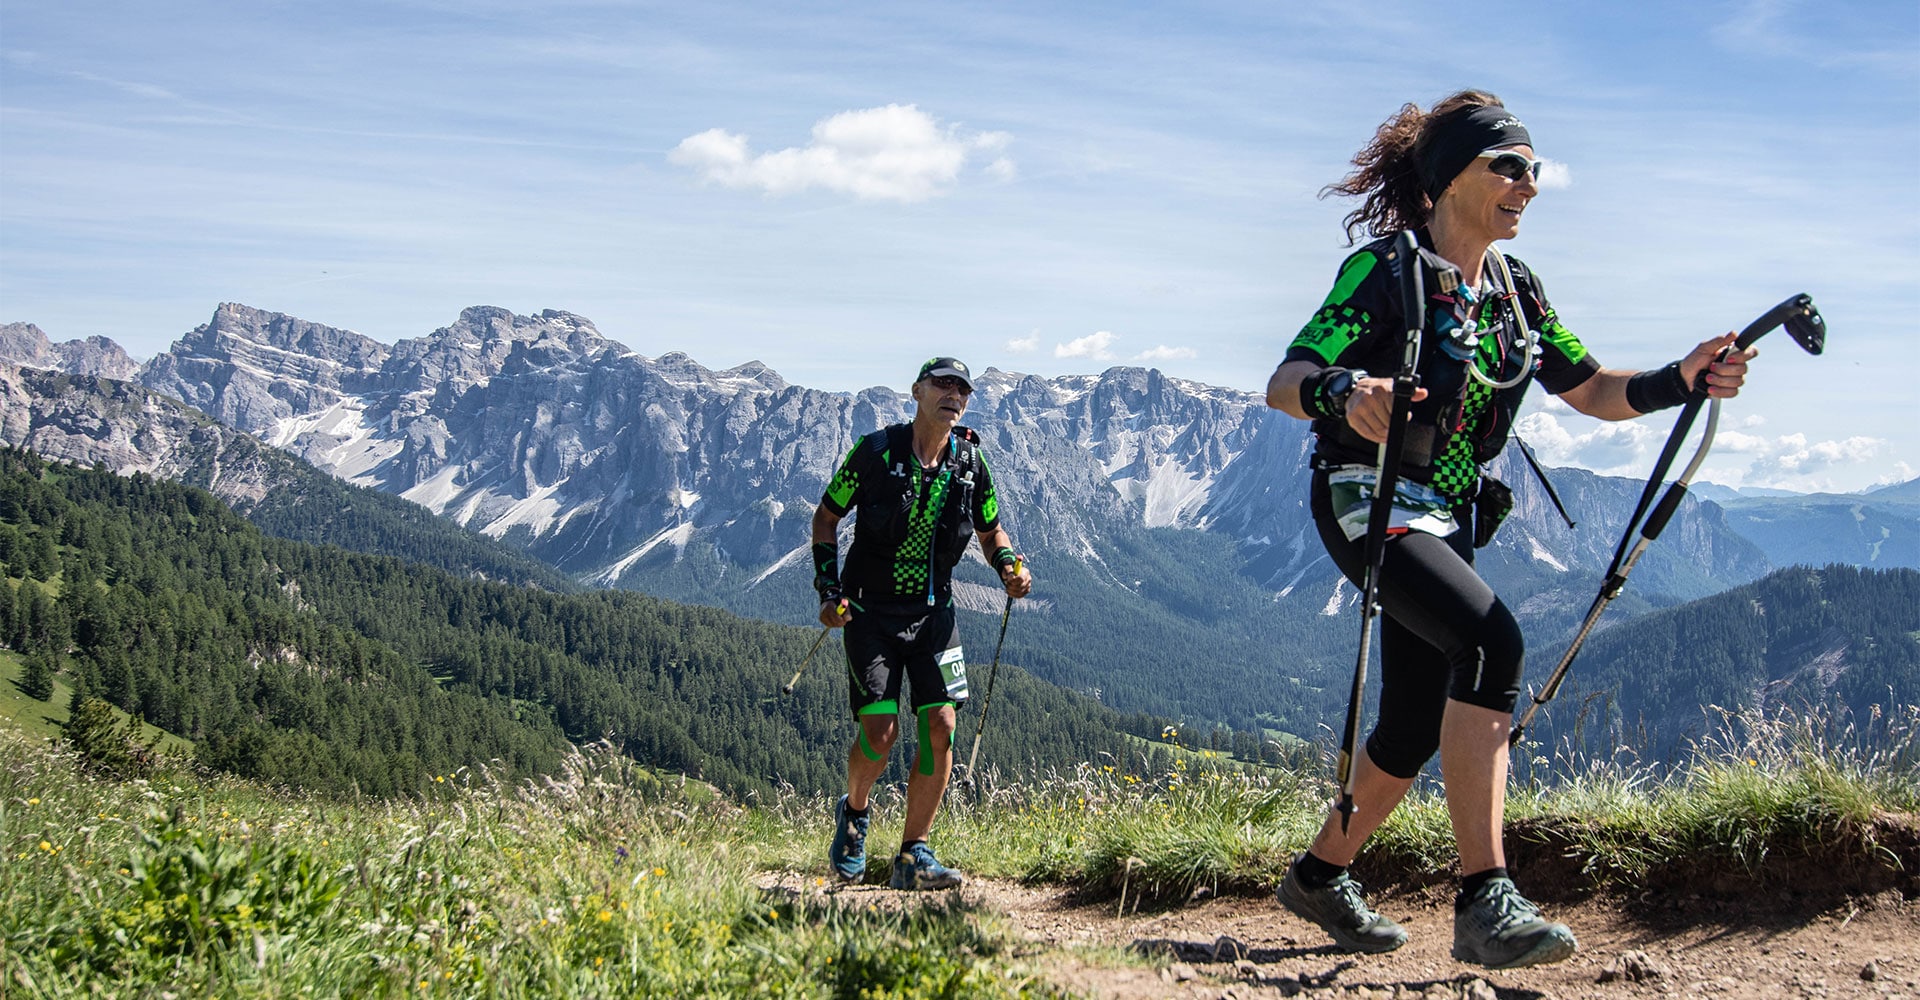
{"type": "Point", "coordinates": [1370, 408]}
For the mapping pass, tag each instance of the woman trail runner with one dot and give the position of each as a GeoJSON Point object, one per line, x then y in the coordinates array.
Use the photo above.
{"type": "Point", "coordinates": [1460, 176]}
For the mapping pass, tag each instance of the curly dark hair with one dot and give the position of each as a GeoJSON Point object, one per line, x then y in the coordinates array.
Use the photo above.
{"type": "Point", "coordinates": [1385, 170]}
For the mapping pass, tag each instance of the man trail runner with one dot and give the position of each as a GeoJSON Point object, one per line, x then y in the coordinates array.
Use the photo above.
{"type": "Point", "coordinates": [919, 488]}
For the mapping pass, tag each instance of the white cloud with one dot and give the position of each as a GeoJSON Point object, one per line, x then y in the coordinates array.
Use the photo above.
{"type": "Point", "coordinates": [1554, 175]}
{"type": "Point", "coordinates": [1791, 456]}
{"type": "Point", "coordinates": [1165, 353]}
{"type": "Point", "coordinates": [1628, 448]}
{"type": "Point", "coordinates": [1614, 449]}
{"type": "Point", "coordinates": [1097, 346]}
{"type": "Point", "coordinates": [1024, 345]}
{"type": "Point", "coordinates": [891, 153]}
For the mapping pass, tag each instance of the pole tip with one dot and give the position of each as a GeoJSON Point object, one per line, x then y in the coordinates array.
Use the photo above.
{"type": "Point", "coordinates": [786, 689]}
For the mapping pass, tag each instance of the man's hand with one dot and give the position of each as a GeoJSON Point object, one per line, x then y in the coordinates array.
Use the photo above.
{"type": "Point", "coordinates": [835, 613]}
{"type": "Point", "coordinates": [1016, 579]}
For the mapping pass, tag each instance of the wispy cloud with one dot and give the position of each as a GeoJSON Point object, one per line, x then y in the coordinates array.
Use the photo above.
{"type": "Point", "coordinates": [1097, 346]}
{"type": "Point", "coordinates": [891, 153]}
{"type": "Point", "coordinates": [1829, 36]}
{"type": "Point", "coordinates": [1166, 353]}
{"type": "Point", "coordinates": [1024, 345]}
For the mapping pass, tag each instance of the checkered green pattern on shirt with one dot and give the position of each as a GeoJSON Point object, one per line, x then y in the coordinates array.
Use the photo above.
{"type": "Point", "coordinates": [1454, 472]}
{"type": "Point", "coordinates": [916, 554]}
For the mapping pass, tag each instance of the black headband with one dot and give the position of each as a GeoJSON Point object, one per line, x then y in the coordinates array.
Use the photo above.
{"type": "Point", "coordinates": [1459, 136]}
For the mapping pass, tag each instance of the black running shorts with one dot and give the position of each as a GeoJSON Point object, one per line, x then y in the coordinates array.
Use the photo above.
{"type": "Point", "coordinates": [888, 642]}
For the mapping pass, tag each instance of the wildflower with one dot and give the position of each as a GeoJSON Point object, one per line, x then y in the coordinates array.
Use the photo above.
{"type": "Point", "coordinates": [621, 851]}
{"type": "Point", "coordinates": [46, 847]}
{"type": "Point", "coordinates": [33, 802]}
{"type": "Point", "coordinates": [606, 915]}
{"type": "Point", "coordinates": [660, 873]}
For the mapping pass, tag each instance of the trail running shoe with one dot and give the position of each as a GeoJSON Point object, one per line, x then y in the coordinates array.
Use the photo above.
{"type": "Point", "coordinates": [1340, 911]}
{"type": "Point", "coordinates": [848, 853]}
{"type": "Point", "coordinates": [917, 868]}
{"type": "Point", "coordinates": [1501, 929]}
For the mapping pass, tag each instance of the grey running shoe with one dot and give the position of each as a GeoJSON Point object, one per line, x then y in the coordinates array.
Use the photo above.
{"type": "Point", "coordinates": [848, 853]}
{"type": "Point", "coordinates": [1501, 929]}
{"type": "Point", "coordinates": [917, 868]}
{"type": "Point", "coordinates": [1340, 911]}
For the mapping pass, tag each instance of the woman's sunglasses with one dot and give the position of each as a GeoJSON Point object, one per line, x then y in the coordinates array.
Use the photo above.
{"type": "Point", "coordinates": [1510, 164]}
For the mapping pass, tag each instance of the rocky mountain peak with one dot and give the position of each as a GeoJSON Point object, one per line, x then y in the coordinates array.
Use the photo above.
{"type": "Point", "coordinates": [24, 344]}
{"type": "Point", "coordinates": [27, 345]}
{"type": "Point", "coordinates": [242, 327]}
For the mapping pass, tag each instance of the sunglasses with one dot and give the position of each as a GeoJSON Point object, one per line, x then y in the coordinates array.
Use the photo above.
{"type": "Point", "coordinates": [948, 383]}
{"type": "Point", "coordinates": [1510, 164]}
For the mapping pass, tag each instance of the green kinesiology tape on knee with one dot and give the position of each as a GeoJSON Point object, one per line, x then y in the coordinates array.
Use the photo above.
{"type": "Point", "coordinates": [866, 748]}
{"type": "Point", "coordinates": [925, 764]}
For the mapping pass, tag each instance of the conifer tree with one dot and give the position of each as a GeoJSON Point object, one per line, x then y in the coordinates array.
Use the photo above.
{"type": "Point", "coordinates": [37, 677]}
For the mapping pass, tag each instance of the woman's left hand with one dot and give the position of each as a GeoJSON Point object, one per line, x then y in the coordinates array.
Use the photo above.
{"type": "Point", "coordinates": [1724, 378]}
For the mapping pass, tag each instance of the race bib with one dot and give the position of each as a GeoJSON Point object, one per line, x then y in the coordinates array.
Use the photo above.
{"type": "Point", "coordinates": [953, 670]}
{"type": "Point", "coordinates": [1416, 507]}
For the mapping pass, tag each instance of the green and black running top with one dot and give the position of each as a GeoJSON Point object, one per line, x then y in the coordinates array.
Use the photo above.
{"type": "Point", "coordinates": [1463, 423]}
{"type": "Point", "coordinates": [914, 523]}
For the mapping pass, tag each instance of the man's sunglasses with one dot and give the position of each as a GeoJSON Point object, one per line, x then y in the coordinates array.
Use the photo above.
{"type": "Point", "coordinates": [1510, 164]}
{"type": "Point", "coordinates": [948, 383]}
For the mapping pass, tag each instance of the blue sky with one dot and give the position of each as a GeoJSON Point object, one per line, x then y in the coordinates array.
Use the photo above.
{"type": "Point", "coordinates": [840, 190]}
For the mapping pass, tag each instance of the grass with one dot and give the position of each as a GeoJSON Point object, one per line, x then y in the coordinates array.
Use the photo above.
{"type": "Point", "coordinates": [607, 880]}
{"type": "Point", "coordinates": [44, 718]}
{"type": "Point", "coordinates": [593, 882]}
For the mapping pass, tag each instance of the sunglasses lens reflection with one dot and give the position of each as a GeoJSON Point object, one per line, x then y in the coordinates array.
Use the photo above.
{"type": "Point", "coordinates": [1513, 166]}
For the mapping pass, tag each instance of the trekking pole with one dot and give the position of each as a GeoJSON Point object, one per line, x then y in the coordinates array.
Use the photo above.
{"type": "Point", "coordinates": [1404, 258]}
{"type": "Point", "coordinates": [1809, 330]}
{"type": "Point", "coordinates": [817, 640]}
{"type": "Point", "coordinates": [973, 756]}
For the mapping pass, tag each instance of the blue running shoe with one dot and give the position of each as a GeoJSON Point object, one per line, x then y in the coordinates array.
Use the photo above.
{"type": "Point", "coordinates": [917, 868]}
{"type": "Point", "coordinates": [848, 854]}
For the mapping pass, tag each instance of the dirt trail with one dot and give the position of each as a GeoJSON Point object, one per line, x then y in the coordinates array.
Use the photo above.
{"type": "Point", "coordinates": [1759, 945]}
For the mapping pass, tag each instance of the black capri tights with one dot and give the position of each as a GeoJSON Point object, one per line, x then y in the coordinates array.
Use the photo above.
{"type": "Point", "coordinates": [1444, 634]}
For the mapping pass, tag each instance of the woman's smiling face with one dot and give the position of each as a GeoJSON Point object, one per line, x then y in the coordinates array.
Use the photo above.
{"type": "Point", "coordinates": [1487, 203]}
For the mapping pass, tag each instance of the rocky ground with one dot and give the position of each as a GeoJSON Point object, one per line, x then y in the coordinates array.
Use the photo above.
{"type": "Point", "coordinates": [1680, 944]}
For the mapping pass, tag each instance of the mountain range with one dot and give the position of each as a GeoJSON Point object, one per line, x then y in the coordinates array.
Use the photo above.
{"type": "Point", "coordinates": [1165, 519]}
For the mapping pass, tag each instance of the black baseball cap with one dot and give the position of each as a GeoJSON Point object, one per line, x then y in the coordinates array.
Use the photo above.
{"type": "Point", "coordinates": [945, 366]}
